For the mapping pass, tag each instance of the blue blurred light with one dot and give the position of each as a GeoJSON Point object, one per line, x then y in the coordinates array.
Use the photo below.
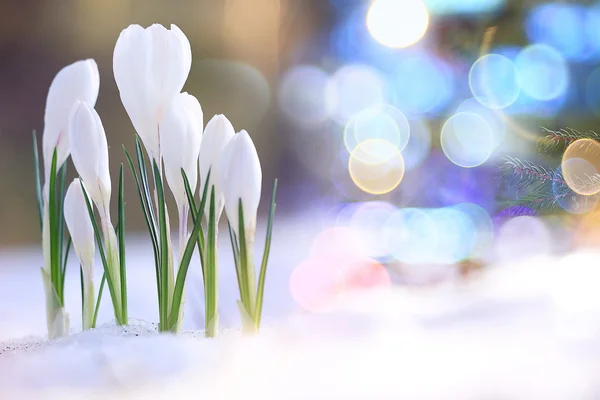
{"type": "Point", "coordinates": [445, 7]}
{"type": "Point", "coordinates": [494, 81]}
{"type": "Point", "coordinates": [543, 72]}
{"type": "Point", "coordinates": [561, 26]}
{"type": "Point", "coordinates": [526, 105]}
{"type": "Point", "coordinates": [421, 84]}
{"type": "Point", "coordinates": [494, 118]}
{"type": "Point", "coordinates": [418, 146]}
{"type": "Point", "coordinates": [351, 41]}
{"type": "Point", "coordinates": [592, 92]}
{"type": "Point", "coordinates": [457, 236]}
{"type": "Point", "coordinates": [411, 235]}
{"type": "Point", "coordinates": [592, 22]}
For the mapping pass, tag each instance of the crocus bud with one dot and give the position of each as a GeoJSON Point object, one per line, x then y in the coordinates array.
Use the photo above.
{"type": "Point", "coordinates": [79, 224]}
{"type": "Point", "coordinates": [240, 177]}
{"type": "Point", "coordinates": [150, 66]}
{"type": "Point", "coordinates": [89, 152]}
{"type": "Point", "coordinates": [217, 134]}
{"type": "Point", "coordinates": [181, 133]}
{"type": "Point", "coordinates": [79, 81]}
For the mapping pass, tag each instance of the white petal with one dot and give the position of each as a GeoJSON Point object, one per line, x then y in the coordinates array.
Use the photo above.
{"type": "Point", "coordinates": [179, 145]}
{"type": "Point", "coordinates": [78, 223]}
{"type": "Point", "coordinates": [79, 81]}
{"type": "Point", "coordinates": [241, 178]}
{"type": "Point", "coordinates": [89, 152]}
{"type": "Point", "coordinates": [217, 134]}
{"type": "Point", "coordinates": [150, 66]}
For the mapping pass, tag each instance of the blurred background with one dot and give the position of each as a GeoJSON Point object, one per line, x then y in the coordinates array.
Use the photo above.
{"type": "Point", "coordinates": [395, 115]}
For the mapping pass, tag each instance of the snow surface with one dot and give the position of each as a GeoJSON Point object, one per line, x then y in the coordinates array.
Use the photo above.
{"type": "Point", "coordinates": [528, 329]}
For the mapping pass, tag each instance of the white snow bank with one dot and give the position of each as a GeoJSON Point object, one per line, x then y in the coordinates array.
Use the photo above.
{"type": "Point", "coordinates": [525, 331]}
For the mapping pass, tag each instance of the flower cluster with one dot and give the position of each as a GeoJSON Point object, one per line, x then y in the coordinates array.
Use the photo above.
{"type": "Point", "coordinates": [150, 67]}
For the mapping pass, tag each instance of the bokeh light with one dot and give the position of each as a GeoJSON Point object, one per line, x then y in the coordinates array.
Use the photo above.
{"type": "Point", "coordinates": [315, 285]}
{"type": "Point", "coordinates": [379, 122]}
{"type": "Point", "coordinates": [336, 265]}
{"type": "Point", "coordinates": [521, 237]}
{"type": "Point", "coordinates": [581, 166]}
{"type": "Point", "coordinates": [561, 26]}
{"type": "Point", "coordinates": [302, 95]}
{"type": "Point", "coordinates": [369, 219]}
{"type": "Point", "coordinates": [483, 228]}
{"type": "Point", "coordinates": [467, 139]}
{"type": "Point", "coordinates": [376, 166]}
{"type": "Point", "coordinates": [456, 235]}
{"type": "Point", "coordinates": [494, 81]}
{"type": "Point", "coordinates": [352, 89]}
{"type": "Point", "coordinates": [451, 7]}
{"type": "Point", "coordinates": [421, 84]}
{"type": "Point", "coordinates": [495, 118]}
{"type": "Point", "coordinates": [566, 198]}
{"type": "Point", "coordinates": [543, 72]}
{"type": "Point", "coordinates": [418, 145]}
{"type": "Point", "coordinates": [592, 91]}
{"type": "Point", "coordinates": [411, 235]}
{"type": "Point", "coordinates": [397, 23]}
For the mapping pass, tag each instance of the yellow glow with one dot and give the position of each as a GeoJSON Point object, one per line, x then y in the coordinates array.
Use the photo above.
{"type": "Point", "coordinates": [376, 166]}
{"type": "Point", "coordinates": [581, 166]}
{"type": "Point", "coordinates": [398, 23]}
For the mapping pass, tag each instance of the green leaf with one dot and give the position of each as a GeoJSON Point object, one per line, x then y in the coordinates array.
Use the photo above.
{"type": "Point", "coordinates": [211, 262]}
{"type": "Point", "coordinates": [182, 272]}
{"type": "Point", "coordinates": [55, 269]}
{"type": "Point", "coordinates": [64, 266]}
{"type": "Point", "coordinates": [265, 260]}
{"type": "Point", "coordinates": [246, 298]}
{"type": "Point", "coordinates": [99, 299]}
{"type": "Point", "coordinates": [38, 182]}
{"type": "Point", "coordinates": [121, 238]}
{"type": "Point", "coordinates": [164, 247]}
{"type": "Point", "coordinates": [194, 214]}
{"type": "Point", "coordinates": [60, 197]}
{"type": "Point", "coordinates": [144, 179]}
{"type": "Point", "coordinates": [146, 206]}
{"type": "Point", "coordinates": [236, 258]}
{"type": "Point", "coordinates": [110, 281]}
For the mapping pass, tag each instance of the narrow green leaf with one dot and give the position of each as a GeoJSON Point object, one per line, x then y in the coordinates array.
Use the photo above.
{"type": "Point", "coordinates": [149, 223]}
{"type": "Point", "coordinates": [102, 282]}
{"type": "Point", "coordinates": [244, 259]}
{"type": "Point", "coordinates": [193, 214]}
{"type": "Point", "coordinates": [38, 182]}
{"type": "Point", "coordinates": [111, 286]}
{"type": "Point", "coordinates": [164, 246]}
{"type": "Point", "coordinates": [182, 272]}
{"type": "Point", "coordinates": [82, 294]}
{"type": "Point", "coordinates": [211, 260]}
{"type": "Point", "coordinates": [60, 197]}
{"type": "Point", "coordinates": [64, 265]}
{"type": "Point", "coordinates": [121, 238]}
{"type": "Point", "coordinates": [263, 267]}
{"type": "Point", "coordinates": [54, 253]}
{"type": "Point", "coordinates": [236, 258]}
{"type": "Point", "coordinates": [144, 180]}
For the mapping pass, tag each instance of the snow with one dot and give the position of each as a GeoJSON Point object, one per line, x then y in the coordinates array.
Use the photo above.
{"type": "Point", "coordinates": [528, 329]}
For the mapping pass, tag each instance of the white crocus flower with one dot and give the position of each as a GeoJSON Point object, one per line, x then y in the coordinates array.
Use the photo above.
{"type": "Point", "coordinates": [79, 81]}
{"type": "Point", "coordinates": [150, 66]}
{"type": "Point", "coordinates": [82, 234]}
{"type": "Point", "coordinates": [181, 134]}
{"type": "Point", "coordinates": [217, 134]}
{"type": "Point", "coordinates": [240, 177]}
{"type": "Point", "coordinates": [89, 152]}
